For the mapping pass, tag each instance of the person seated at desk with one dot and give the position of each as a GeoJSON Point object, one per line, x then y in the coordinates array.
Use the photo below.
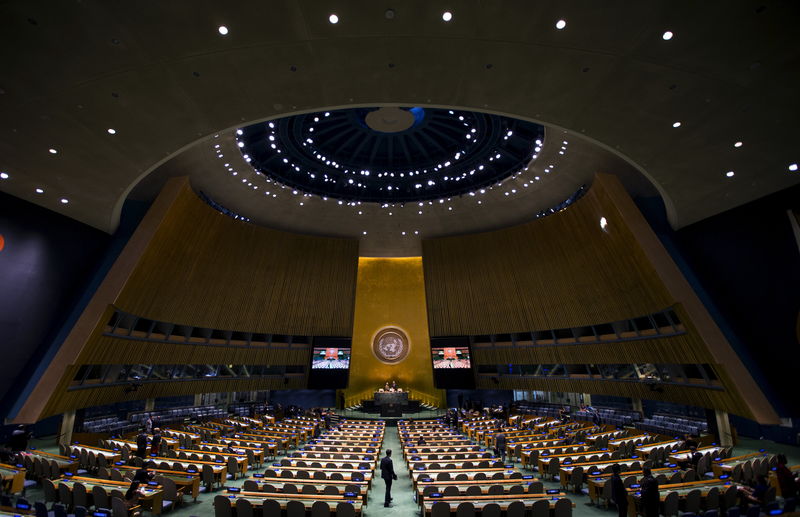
{"type": "Point", "coordinates": [132, 497]}
{"type": "Point", "coordinates": [786, 480]}
{"type": "Point", "coordinates": [386, 386]}
{"type": "Point", "coordinates": [421, 441]}
{"type": "Point", "coordinates": [754, 495]}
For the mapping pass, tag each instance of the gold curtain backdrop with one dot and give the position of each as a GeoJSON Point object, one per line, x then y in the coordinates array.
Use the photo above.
{"type": "Point", "coordinates": [390, 292]}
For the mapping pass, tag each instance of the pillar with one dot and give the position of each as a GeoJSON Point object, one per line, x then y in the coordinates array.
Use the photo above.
{"type": "Point", "coordinates": [198, 399]}
{"type": "Point", "coordinates": [67, 425]}
{"type": "Point", "coordinates": [637, 405]}
{"type": "Point", "coordinates": [724, 428]}
{"type": "Point", "coordinates": [149, 405]}
{"type": "Point", "coordinates": [587, 399]}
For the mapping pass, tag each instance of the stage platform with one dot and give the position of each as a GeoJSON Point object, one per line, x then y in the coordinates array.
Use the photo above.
{"type": "Point", "coordinates": [390, 421]}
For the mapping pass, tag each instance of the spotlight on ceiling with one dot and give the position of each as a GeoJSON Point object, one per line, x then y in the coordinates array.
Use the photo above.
{"type": "Point", "coordinates": [64, 200]}
{"type": "Point", "coordinates": [560, 24]}
{"type": "Point", "coordinates": [738, 144]}
{"type": "Point", "coordinates": [729, 174]}
{"type": "Point", "coordinates": [4, 175]}
{"type": "Point", "coordinates": [676, 124]}
{"type": "Point", "coordinates": [447, 16]}
{"type": "Point", "coordinates": [223, 30]}
{"type": "Point", "coordinates": [39, 191]}
{"type": "Point", "coordinates": [793, 167]}
{"type": "Point", "coordinates": [667, 35]}
{"type": "Point", "coordinates": [333, 19]}
{"type": "Point", "coordinates": [52, 151]}
{"type": "Point", "coordinates": [112, 131]}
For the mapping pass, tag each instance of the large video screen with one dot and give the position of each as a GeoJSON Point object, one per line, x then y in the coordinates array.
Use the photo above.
{"type": "Point", "coordinates": [330, 359]}
{"type": "Point", "coordinates": [451, 357]}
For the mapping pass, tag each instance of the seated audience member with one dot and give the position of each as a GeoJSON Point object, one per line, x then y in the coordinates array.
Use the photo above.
{"type": "Point", "coordinates": [132, 495]}
{"type": "Point", "coordinates": [689, 442]}
{"type": "Point", "coordinates": [755, 494]}
{"type": "Point", "coordinates": [143, 475]}
{"type": "Point", "coordinates": [786, 480]}
{"type": "Point", "coordinates": [421, 441]}
{"type": "Point", "coordinates": [386, 386]}
{"type": "Point", "coordinates": [694, 457]}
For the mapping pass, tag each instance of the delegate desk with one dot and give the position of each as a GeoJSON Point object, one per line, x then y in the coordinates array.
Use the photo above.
{"type": "Point", "coordinates": [308, 500]}
{"type": "Point", "coordinates": [189, 481]}
{"type": "Point", "coordinates": [504, 501]}
{"type": "Point", "coordinates": [727, 465]}
{"type": "Point", "coordinates": [276, 485]}
{"type": "Point", "coordinates": [682, 489]}
{"type": "Point", "coordinates": [152, 496]}
{"type": "Point", "coordinates": [13, 478]}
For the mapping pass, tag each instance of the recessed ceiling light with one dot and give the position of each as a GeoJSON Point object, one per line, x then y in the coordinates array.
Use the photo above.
{"type": "Point", "coordinates": [560, 24]}
{"type": "Point", "coordinates": [223, 30]}
{"type": "Point", "coordinates": [112, 131]}
{"type": "Point", "coordinates": [447, 16]}
{"type": "Point", "coordinates": [738, 144]}
{"type": "Point", "coordinates": [333, 19]}
{"type": "Point", "coordinates": [729, 174]}
{"type": "Point", "coordinates": [64, 200]}
{"type": "Point", "coordinates": [39, 191]}
{"type": "Point", "coordinates": [52, 151]}
{"type": "Point", "coordinates": [4, 175]}
{"type": "Point", "coordinates": [676, 124]}
{"type": "Point", "coordinates": [603, 223]}
{"type": "Point", "coordinates": [667, 35]}
{"type": "Point", "coordinates": [792, 167]}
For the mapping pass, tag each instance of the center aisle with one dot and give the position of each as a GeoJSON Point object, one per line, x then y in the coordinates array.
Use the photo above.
{"type": "Point", "coordinates": [402, 490]}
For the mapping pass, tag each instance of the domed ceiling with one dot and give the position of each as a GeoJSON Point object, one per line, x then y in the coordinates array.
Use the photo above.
{"type": "Point", "coordinates": [390, 154]}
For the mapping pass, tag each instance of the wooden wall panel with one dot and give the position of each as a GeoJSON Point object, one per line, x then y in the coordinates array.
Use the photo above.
{"type": "Point", "coordinates": [206, 269]}
{"type": "Point", "coordinates": [718, 399]}
{"type": "Point", "coordinates": [556, 272]}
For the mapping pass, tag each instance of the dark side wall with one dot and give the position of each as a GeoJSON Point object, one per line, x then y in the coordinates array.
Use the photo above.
{"type": "Point", "coordinates": [45, 263]}
{"type": "Point", "coordinates": [50, 266]}
{"type": "Point", "coordinates": [746, 263]}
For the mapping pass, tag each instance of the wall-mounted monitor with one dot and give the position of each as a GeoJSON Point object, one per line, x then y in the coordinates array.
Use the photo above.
{"type": "Point", "coordinates": [450, 357]}
{"type": "Point", "coordinates": [330, 358]}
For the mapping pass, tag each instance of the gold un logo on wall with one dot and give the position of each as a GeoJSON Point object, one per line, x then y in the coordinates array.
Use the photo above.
{"type": "Point", "coordinates": [390, 345]}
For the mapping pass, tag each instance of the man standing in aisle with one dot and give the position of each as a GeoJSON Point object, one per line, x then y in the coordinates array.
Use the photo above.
{"type": "Point", "coordinates": [388, 475]}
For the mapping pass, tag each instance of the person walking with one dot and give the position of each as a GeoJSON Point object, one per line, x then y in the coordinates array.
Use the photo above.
{"type": "Point", "coordinates": [155, 443]}
{"type": "Point", "coordinates": [388, 475]}
{"type": "Point", "coordinates": [500, 445]}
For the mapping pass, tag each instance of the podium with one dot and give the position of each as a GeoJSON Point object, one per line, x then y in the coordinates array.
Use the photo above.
{"type": "Point", "coordinates": [391, 403]}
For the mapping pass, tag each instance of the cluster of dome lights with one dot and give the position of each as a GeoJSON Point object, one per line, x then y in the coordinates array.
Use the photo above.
{"type": "Point", "coordinates": [390, 155]}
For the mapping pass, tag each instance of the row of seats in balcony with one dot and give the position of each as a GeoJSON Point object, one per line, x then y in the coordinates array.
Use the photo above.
{"type": "Point", "coordinates": [670, 424]}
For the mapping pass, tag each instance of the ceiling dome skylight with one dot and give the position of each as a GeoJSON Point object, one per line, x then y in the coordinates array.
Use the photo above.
{"type": "Point", "coordinates": [390, 154]}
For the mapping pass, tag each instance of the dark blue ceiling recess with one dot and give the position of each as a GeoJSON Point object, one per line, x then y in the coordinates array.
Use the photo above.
{"type": "Point", "coordinates": [390, 155]}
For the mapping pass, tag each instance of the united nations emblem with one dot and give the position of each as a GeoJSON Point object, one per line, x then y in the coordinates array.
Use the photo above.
{"type": "Point", "coordinates": [390, 345]}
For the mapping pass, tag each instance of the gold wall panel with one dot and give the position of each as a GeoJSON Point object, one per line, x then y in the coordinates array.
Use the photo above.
{"type": "Point", "coordinates": [206, 269]}
{"type": "Point", "coordinates": [390, 292]}
{"type": "Point", "coordinates": [555, 272]}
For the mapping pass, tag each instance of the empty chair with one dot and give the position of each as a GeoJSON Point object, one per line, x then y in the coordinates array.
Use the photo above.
{"type": "Point", "coordinates": [490, 510]}
{"type": "Point", "coordinates": [309, 489]}
{"type": "Point", "coordinates": [302, 474]}
{"type": "Point", "coordinates": [79, 497]}
{"type": "Point", "coordinates": [553, 467]}
{"type": "Point", "coordinates": [55, 471]}
{"type": "Point", "coordinates": [320, 509]}
{"type": "Point", "coordinates": [671, 504]}
{"type": "Point", "coordinates": [677, 477]}
{"type": "Point", "coordinates": [207, 476]}
{"type": "Point", "coordinates": [563, 508]}
{"type": "Point", "coordinates": [537, 487]}
{"type": "Point", "coordinates": [343, 509]}
{"type": "Point", "coordinates": [250, 486]}
{"type": "Point", "coordinates": [691, 503]}
{"type": "Point", "coordinates": [100, 497]}
{"type": "Point", "coordinates": [333, 490]}
{"type": "Point", "coordinates": [443, 476]}
{"type": "Point", "coordinates": [517, 509]}
{"type": "Point", "coordinates": [516, 489]}
{"type": "Point", "coordinates": [711, 501]}
{"type": "Point", "coordinates": [472, 490]}
{"type": "Point", "coordinates": [233, 467]}
{"type": "Point", "coordinates": [576, 478]}
{"type": "Point", "coordinates": [495, 490]}
{"type": "Point", "coordinates": [480, 475]}
{"type": "Point", "coordinates": [222, 506]}
{"type": "Point", "coordinates": [116, 475]}
{"type": "Point", "coordinates": [64, 495]}
{"type": "Point", "coordinates": [689, 476]}
{"type": "Point", "coordinates": [50, 492]}
{"type": "Point", "coordinates": [541, 508]}
{"type": "Point", "coordinates": [289, 488]}
{"type": "Point", "coordinates": [440, 509]}
{"type": "Point", "coordinates": [119, 508]}
{"type": "Point", "coordinates": [465, 509]}
{"type": "Point", "coordinates": [244, 508]}
{"type": "Point", "coordinates": [59, 510]}
{"type": "Point", "coordinates": [270, 508]}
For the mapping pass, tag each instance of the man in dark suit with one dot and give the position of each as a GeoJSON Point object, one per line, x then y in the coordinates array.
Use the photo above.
{"type": "Point", "coordinates": [500, 445]}
{"type": "Point", "coordinates": [155, 443]}
{"type": "Point", "coordinates": [650, 494]}
{"type": "Point", "coordinates": [388, 475]}
{"type": "Point", "coordinates": [618, 492]}
{"type": "Point", "coordinates": [141, 444]}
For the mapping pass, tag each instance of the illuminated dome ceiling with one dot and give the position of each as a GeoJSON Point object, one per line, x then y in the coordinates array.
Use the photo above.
{"type": "Point", "coordinates": [390, 154]}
